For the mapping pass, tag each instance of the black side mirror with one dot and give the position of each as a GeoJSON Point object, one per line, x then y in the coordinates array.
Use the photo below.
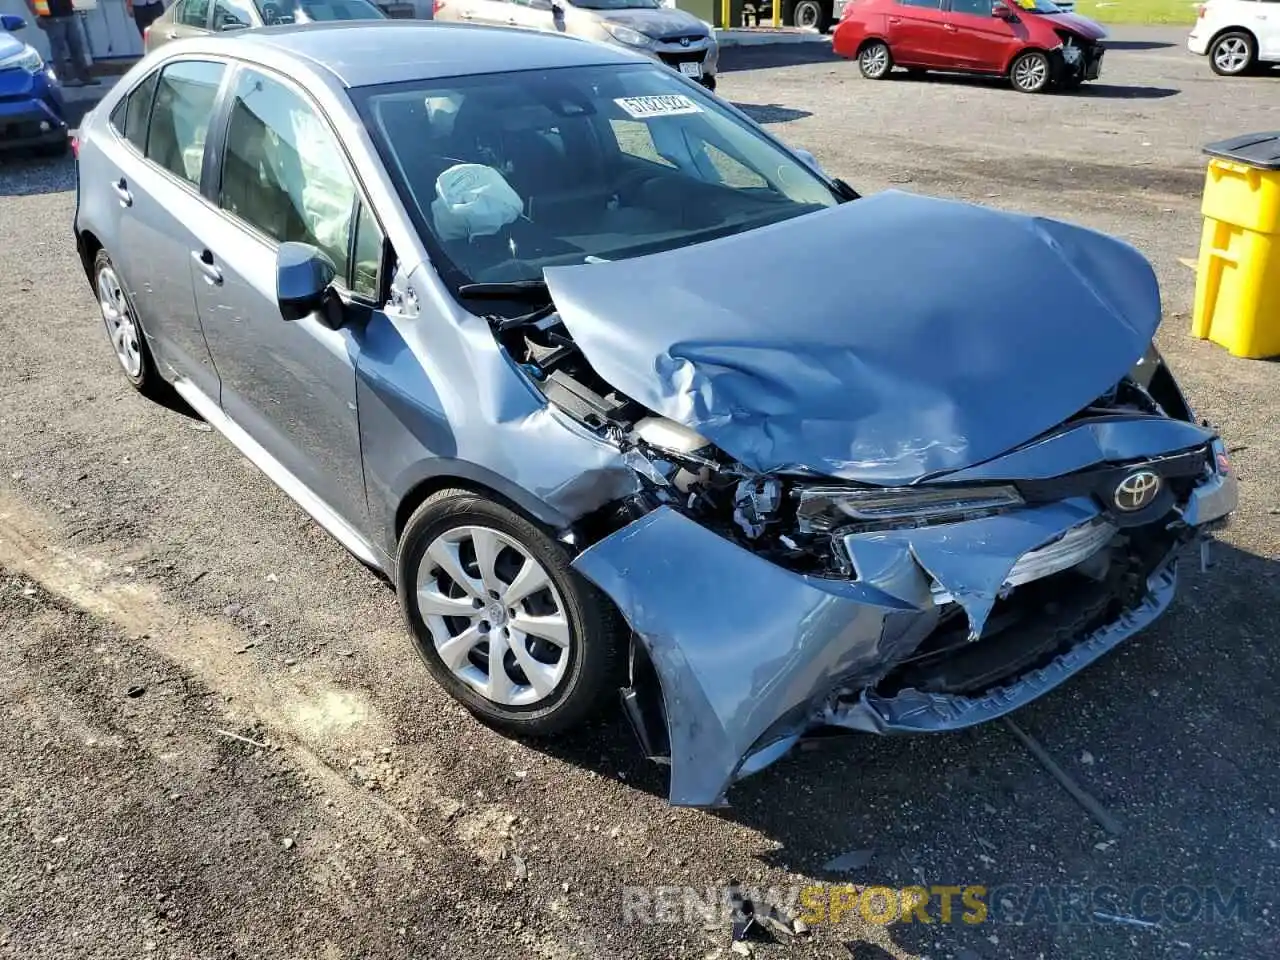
{"type": "Point", "coordinates": [12, 22]}
{"type": "Point", "coordinates": [1001, 11]}
{"type": "Point", "coordinates": [303, 278]}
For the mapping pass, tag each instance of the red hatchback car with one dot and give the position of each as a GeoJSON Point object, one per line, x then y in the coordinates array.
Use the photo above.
{"type": "Point", "coordinates": [1033, 43]}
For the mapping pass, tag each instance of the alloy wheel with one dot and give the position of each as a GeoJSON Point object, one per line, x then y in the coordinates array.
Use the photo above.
{"type": "Point", "coordinates": [875, 61]}
{"type": "Point", "coordinates": [121, 326]}
{"type": "Point", "coordinates": [1231, 55]}
{"type": "Point", "coordinates": [495, 617]}
{"type": "Point", "coordinates": [1031, 73]}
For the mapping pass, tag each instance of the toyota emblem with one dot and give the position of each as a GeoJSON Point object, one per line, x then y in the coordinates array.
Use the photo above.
{"type": "Point", "coordinates": [1136, 491]}
{"type": "Point", "coordinates": [684, 41]}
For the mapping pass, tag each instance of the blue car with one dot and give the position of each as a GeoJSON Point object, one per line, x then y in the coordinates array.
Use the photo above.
{"type": "Point", "coordinates": [32, 113]}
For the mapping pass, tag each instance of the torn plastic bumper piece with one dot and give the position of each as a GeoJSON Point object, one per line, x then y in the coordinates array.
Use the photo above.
{"type": "Point", "coordinates": [746, 651]}
{"type": "Point", "coordinates": [914, 711]}
{"type": "Point", "coordinates": [741, 645]}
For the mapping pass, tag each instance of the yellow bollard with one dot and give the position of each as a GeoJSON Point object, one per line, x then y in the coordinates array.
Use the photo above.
{"type": "Point", "coordinates": [726, 11]}
{"type": "Point", "coordinates": [777, 14]}
{"type": "Point", "coordinates": [1237, 301]}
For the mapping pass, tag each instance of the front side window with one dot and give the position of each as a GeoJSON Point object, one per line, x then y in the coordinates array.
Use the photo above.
{"type": "Point", "coordinates": [194, 13]}
{"type": "Point", "coordinates": [981, 8]}
{"type": "Point", "coordinates": [185, 97]}
{"type": "Point", "coordinates": [506, 174]}
{"type": "Point", "coordinates": [926, 4]}
{"type": "Point", "coordinates": [231, 15]}
{"type": "Point", "coordinates": [283, 172]}
{"type": "Point", "coordinates": [316, 11]}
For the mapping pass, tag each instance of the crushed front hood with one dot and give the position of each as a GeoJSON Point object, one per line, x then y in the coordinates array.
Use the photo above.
{"type": "Point", "coordinates": [880, 340]}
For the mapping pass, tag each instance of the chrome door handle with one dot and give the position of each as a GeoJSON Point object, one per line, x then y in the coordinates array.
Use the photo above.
{"type": "Point", "coordinates": [204, 260]}
{"type": "Point", "coordinates": [895, 19]}
{"type": "Point", "coordinates": [949, 28]}
{"type": "Point", "coordinates": [467, 15]}
{"type": "Point", "coordinates": [121, 187]}
{"type": "Point", "coordinates": [511, 21]}
{"type": "Point", "coordinates": [171, 35]}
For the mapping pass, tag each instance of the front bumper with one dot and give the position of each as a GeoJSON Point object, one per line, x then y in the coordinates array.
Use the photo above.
{"type": "Point", "coordinates": [31, 111]}
{"type": "Point", "coordinates": [749, 656]}
{"type": "Point", "coordinates": [699, 60]}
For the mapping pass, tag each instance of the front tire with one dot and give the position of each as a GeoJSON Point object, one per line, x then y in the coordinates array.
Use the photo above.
{"type": "Point", "coordinates": [1232, 54]}
{"type": "Point", "coordinates": [1031, 72]}
{"type": "Point", "coordinates": [875, 61]}
{"type": "Point", "coordinates": [124, 330]}
{"type": "Point", "coordinates": [502, 621]}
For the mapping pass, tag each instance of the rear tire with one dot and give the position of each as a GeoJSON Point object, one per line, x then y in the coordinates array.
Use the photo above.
{"type": "Point", "coordinates": [473, 577]}
{"type": "Point", "coordinates": [1031, 72]}
{"type": "Point", "coordinates": [875, 61]}
{"type": "Point", "coordinates": [1232, 54]}
{"type": "Point", "coordinates": [124, 330]}
{"type": "Point", "coordinates": [810, 14]}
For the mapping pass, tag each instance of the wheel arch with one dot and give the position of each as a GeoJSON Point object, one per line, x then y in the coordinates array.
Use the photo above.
{"type": "Point", "coordinates": [87, 246]}
{"type": "Point", "coordinates": [1253, 38]}
{"type": "Point", "coordinates": [870, 39]}
{"type": "Point", "coordinates": [446, 474]}
{"type": "Point", "coordinates": [1030, 48]}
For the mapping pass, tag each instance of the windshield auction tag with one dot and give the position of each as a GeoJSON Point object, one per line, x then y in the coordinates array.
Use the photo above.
{"type": "Point", "coordinates": [669, 105]}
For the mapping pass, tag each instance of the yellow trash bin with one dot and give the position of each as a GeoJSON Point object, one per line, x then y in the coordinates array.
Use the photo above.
{"type": "Point", "coordinates": [1238, 275]}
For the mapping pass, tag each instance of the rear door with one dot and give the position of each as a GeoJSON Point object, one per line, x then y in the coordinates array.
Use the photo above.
{"type": "Point", "coordinates": [152, 169]}
{"type": "Point", "coordinates": [283, 176]}
{"type": "Point", "coordinates": [916, 33]}
{"type": "Point", "coordinates": [975, 40]}
{"type": "Point", "coordinates": [498, 12]}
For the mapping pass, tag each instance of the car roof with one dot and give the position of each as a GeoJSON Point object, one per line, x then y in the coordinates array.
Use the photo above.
{"type": "Point", "coordinates": [368, 52]}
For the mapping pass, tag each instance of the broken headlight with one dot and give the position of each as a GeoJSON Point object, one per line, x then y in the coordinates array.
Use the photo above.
{"type": "Point", "coordinates": [823, 509]}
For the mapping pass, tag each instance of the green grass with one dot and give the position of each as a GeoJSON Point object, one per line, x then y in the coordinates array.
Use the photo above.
{"type": "Point", "coordinates": [1181, 12]}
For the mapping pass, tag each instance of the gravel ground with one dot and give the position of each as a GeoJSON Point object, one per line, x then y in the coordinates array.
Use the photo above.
{"type": "Point", "coordinates": [215, 740]}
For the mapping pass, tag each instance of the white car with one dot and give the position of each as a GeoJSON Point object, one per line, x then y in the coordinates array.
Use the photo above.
{"type": "Point", "coordinates": [1236, 35]}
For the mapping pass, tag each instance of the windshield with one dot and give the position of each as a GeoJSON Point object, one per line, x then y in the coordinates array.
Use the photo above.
{"type": "Point", "coordinates": [1037, 6]}
{"type": "Point", "coordinates": [316, 11]}
{"type": "Point", "coordinates": [617, 4]}
{"type": "Point", "coordinates": [506, 174]}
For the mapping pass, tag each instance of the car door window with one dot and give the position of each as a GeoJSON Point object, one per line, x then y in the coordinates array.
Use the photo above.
{"type": "Point", "coordinates": [184, 102]}
{"type": "Point", "coordinates": [138, 111]}
{"type": "Point", "coordinates": [194, 13]}
{"type": "Point", "coordinates": [925, 4]}
{"type": "Point", "coordinates": [283, 172]}
{"type": "Point", "coordinates": [231, 15]}
{"type": "Point", "coordinates": [366, 259]}
{"type": "Point", "coordinates": [977, 8]}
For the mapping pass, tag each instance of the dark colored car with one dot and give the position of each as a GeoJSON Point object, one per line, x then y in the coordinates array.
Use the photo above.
{"type": "Point", "coordinates": [31, 108]}
{"type": "Point", "coordinates": [1034, 43]}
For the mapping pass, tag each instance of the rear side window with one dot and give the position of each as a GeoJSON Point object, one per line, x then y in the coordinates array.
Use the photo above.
{"type": "Point", "coordinates": [981, 8]}
{"type": "Point", "coordinates": [138, 111]}
{"type": "Point", "coordinates": [184, 102]}
{"type": "Point", "coordinates": [926, 4]}
{"type": "Point", "coordinates": [283, 170]}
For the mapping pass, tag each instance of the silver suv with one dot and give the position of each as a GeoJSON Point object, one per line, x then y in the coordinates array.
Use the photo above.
{"type": "Point", "coordinates": [671, 36]}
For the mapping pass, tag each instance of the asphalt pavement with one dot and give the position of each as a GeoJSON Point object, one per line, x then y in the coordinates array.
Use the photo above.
{"type": "Point", "coordinates": [215, 740]}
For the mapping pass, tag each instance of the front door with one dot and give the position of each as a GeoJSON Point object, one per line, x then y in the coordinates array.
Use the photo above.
{"type": "Point", "coordinates": [189, 18]}
{"type": "Point", "coordinates": [156, 172]}
{"type": "Point", "coordinates": [499, 12]}
{"type": "Point", "coordinates": [289, 384]}
{"type": "Point", "coordinates": [915, 33]}
{"type": "Point", "coordinates": [976, 40]}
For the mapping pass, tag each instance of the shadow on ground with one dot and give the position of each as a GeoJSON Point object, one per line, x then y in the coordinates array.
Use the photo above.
{"type": "Point", "coordinates": [1096, 90]}
{"type": "Point", "coordinates": [767, 56]}
{"type": "Point", "coordinates": [1173, 734]}
{"type": "Point", "coordinates": [772, 112]}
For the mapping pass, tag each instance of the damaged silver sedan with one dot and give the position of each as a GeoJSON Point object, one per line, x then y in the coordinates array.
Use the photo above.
{"type": "Point", "coordinates": [488, 305]}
